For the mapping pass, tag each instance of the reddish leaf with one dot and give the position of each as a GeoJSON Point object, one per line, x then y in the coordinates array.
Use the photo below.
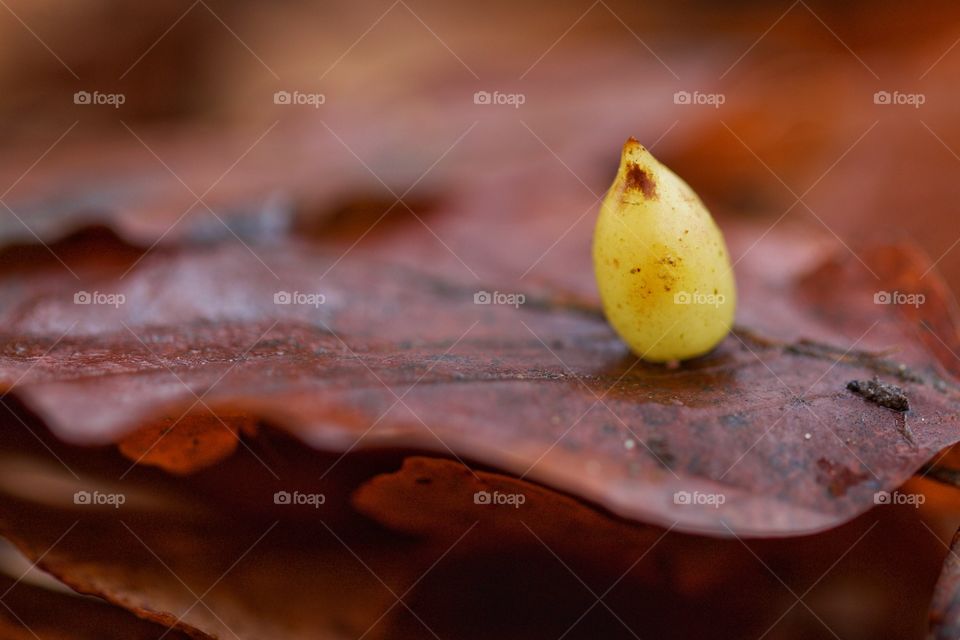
{"type": "Point", "coordinates": [544, 391]}
{"type": "Point", "coordinates": [945, 608]}
{"type": "Point", "coordinates": [178, 538]}
{"type": "Point", "coordinates": [31, 611]}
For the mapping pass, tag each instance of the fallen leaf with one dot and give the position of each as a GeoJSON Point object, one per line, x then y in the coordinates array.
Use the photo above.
{"type": "Point", "coordinates": [376, 354]}
{"type": "Point", "coordinates": [945, 608]}
{"type": "Point", "coordinates": [273, 570]}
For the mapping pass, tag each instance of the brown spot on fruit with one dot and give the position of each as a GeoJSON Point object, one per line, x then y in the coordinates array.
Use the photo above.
{"type": "Point", "coordinates": [638, 179]}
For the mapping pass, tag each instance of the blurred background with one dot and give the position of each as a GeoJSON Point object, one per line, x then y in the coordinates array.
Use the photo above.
{"type": "Point", "coordinates": [199, 118]}
{"type": "Point", "coordinates": [840, 118]}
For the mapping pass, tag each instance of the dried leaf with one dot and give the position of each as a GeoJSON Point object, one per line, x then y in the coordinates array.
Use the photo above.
{"type": "Point", "coordinates": [179, 538]}
{"type": "Point", "coordinates": [945, 608]}
{"type": "Point", "coordinates": [543, 390]}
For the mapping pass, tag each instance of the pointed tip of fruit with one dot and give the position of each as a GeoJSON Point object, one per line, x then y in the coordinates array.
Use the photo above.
{"type": "Point", "coordinates": [635, 169]}
{"type": "Point", "coordinates": [632, 145]}
{"type": "Point", "coordinates": [635, 153]}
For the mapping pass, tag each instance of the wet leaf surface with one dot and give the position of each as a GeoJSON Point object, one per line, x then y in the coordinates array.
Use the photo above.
{"type": "Point", "coordinates": [376, 353]}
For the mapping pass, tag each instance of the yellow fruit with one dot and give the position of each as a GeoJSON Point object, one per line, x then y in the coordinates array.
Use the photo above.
{"type": "Point", "coordinates": [661, 263]}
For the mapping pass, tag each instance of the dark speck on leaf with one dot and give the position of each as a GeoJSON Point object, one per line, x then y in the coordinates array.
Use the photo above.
{"type": "Point", "coordinates": [881, 393]}
{"type": "Point", "coordinates": [661, 453]}
{"type": "Point", "coordinates": [639, 180]}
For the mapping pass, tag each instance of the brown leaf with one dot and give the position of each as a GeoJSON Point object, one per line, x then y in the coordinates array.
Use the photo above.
{"type": "Point", "coordinates": [945, 608]}
{"type": "Point", "coordinates": [31, 611]}
{"type": "Point", "coordinates": [177, 538]}
{"type": "Point", "coordinates": [262, 570]}
{"type": "Point", "coordinates": [397, 356]}
{"type": "Point", "coordinates": [183, 444]}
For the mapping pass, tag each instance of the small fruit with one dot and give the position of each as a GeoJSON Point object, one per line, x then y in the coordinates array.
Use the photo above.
{"type": "Point", "coordinates": [661, 263]}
